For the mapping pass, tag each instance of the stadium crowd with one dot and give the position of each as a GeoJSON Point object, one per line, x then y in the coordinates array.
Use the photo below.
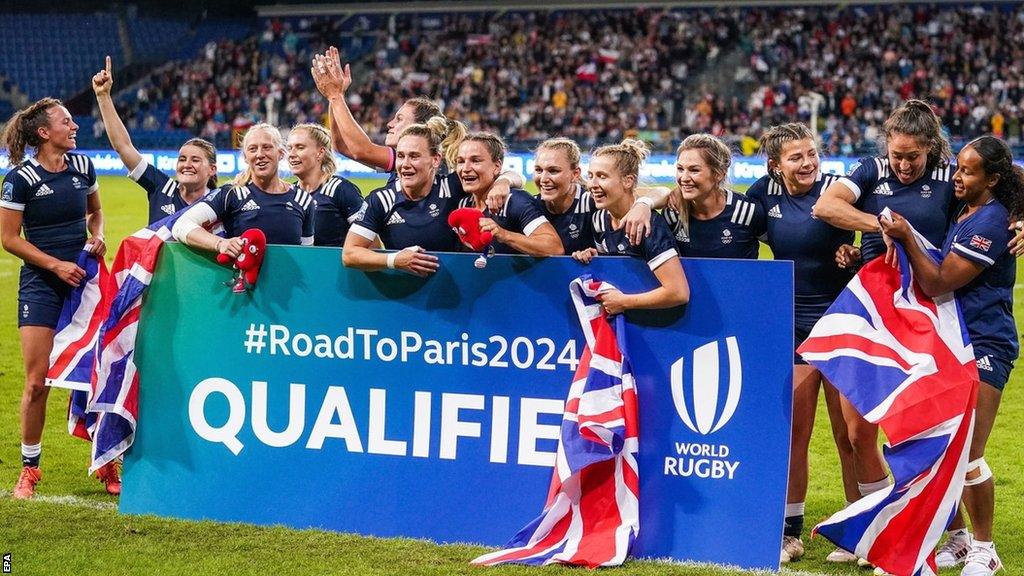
{"type": "Point", "coordinates": [597, 76]}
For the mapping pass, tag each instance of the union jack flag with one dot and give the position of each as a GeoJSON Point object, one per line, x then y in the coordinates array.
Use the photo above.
{"type": "Point", "coordinates": [904, 360]}
{"type": "Point", "coordinates": [74, 343]}
{"type": "Point", "coordinates": [115, 393]}
{"type": "Point", "coordinates": [592, 514]}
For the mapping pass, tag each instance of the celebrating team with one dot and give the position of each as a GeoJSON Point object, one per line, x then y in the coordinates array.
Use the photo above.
{"type": "Point", "coordinates": [436, 167]}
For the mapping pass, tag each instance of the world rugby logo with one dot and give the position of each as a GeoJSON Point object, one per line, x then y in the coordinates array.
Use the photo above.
{"type": "Point", "coordinates": [697, 404]}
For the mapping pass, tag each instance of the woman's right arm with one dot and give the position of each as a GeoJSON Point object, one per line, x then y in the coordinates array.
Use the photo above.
{"type": "Point", "coordinates": [10, 228]}
{"type": "Point", "coordinates": [190, 229]}
{"type": "Point", "coordinates": [118, 135]}
{"type": "Point", "coordinates": [333, 80]}
{"type": "Point", "coordinates": [358, 254]}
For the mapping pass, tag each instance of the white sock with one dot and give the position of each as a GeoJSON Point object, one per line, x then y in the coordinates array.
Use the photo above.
{"type": "Point", "coordinates": [959, 533]}
{"type": "Point", "coordinates": [981, 544]}
{"type": "Point", "coordinates": [872, 487]}
{"type": "Point", "coordinates": [795, 509]}
{"type": "Point", "coordinates": [31, 450]}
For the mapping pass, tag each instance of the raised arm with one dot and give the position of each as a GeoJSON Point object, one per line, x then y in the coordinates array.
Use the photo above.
{"type": "Point", "coordinates": [102, 82]}
{"type": "Point", "coordinates": [333, 80]}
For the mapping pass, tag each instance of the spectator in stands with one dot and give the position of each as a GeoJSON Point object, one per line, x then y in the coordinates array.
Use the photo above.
{"type": "Point", "coordinates": [338, 200]}
{"type": "Point", "coordinates": [53, 197]}
{"type": "Point", "coordinates": [613, 174]}
{"type": "Point", "coordinates": [977, 266]}
{"type": "Point", "coordinates": [258, 198]}
{"type": "Point", "coordinates": [195, 172]}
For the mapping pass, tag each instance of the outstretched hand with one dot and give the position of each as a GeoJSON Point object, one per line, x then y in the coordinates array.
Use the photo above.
{"type": "Point", "coordinates": [331, 78]}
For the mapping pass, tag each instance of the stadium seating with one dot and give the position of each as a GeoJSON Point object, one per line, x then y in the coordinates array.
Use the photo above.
{"type": "Point", "coordinates": [591, 75]}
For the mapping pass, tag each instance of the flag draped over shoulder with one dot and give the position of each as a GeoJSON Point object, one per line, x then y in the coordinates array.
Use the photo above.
{"type": "Point", "coordinates": [591, 517]}
{"type": "Point", "coordinates": [904, 360]}
{"type": "Point", "coordinates": [115, 394]}
{"type": "Point", "coordinates": [74, 343]}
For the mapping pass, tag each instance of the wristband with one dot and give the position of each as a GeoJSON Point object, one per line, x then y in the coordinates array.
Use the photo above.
{"type": "Point", "coordinates": [391, 260]}
{"type": "Point", "coordinates": [217, 247]}
{"type": "Point", "coordinates": [646, 201]}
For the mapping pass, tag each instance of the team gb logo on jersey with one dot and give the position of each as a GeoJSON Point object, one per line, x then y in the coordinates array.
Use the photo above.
{"type": "Point", "coordinates": [78, 184]}
{"type": "Point", "coordinates": [705, 404]}
{"type": "Point", "coordinates": [926, 191]}
{"type": "Point", "coordinates": [434, 210]}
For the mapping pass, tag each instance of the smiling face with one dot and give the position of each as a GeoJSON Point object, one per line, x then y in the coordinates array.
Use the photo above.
{"type": "Point", "coordinates": [908, 157]}
{"type": "Point", "coordinates": [415, 164]}
{"type": "Point", "coordinates": [476, 168]}
{"type": "Point", "coordinates": [304, 154]}
{"type": "Point", "coordinates": [405, 116]}
{"type": "Point", "coordinates": [694, 176]}
{"type": "Point", "coordinates": [262, 154]}
{"type": "Point", "coordinates": [970, 182]}
{"type": "Point", "coordinates": [60, 131]}
{"type": "Point", "coordinates": [554, 176]}
{"type": "Point", "coordinates": [798, 162]}
{"type": "Point", "coordinates": [193, 168]}
{"type": "Point", "coordinates": [605, 183]}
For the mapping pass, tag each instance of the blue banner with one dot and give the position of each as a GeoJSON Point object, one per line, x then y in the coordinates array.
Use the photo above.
{"type": "Point", "coordinates": [659, 168]}
{"type": "Point", "coordinates": [389, 405]}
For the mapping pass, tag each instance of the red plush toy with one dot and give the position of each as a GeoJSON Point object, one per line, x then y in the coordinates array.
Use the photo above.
{"type": "Point", "coordinates": [248, 262]}
{"type": "Point", "coordinates": [466, 224]}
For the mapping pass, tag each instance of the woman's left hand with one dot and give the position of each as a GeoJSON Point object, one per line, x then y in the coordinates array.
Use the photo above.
{"type": "Point", "coordinates": [1017, 243]}
{"type": "Point", "coordinates": [637, 223]}
{"type": "Point", "coordinates": [613, 301]}
{"type": "Point", "coordinates": [99, 247]}
{"type": "Point", "coordinates": [489, 225]}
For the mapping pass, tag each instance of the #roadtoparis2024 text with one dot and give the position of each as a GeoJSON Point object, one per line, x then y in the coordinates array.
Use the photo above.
{"type": "Point", "coordinates": [368, 344]}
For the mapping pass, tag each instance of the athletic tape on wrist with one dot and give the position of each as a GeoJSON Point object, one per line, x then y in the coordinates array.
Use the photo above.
{"type": "Point", "coordinates": [391, 260]}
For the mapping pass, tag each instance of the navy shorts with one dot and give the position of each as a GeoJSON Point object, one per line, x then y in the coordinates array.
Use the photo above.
{"type": "Point", "coordinates": [41, 296]}
{"type": "Point", "coordinates": [993, 368]}
{"type": "Point", "coordinates": [805, 317]}
{"type": "Point", "coordinates": [800, 334]}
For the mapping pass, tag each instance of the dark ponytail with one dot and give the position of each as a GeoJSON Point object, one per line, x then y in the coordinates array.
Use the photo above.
{"type": "Point", "coordinates": [915, 118]}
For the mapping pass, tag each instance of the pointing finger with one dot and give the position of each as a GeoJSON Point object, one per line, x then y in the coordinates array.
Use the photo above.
{"type": "Point", "coordinates": [108, 64]}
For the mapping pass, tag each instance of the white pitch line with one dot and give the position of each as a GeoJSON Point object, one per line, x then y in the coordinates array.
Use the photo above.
{"type": "Point", "coordinates": [68, 500]}
{"type": "Point", "coordinates": [732, 569]}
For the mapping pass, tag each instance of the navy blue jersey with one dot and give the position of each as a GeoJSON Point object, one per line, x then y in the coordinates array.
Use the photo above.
{"type": "Point", "coordinates": [811, 244]}
{"type": "Point", "coordinates": [161, 189]}
{"type": "Point", "coordinates": [575, 226]}
{"type": "Point", "coordinates": [987, 301]}
{"type": "Point", "coordinates": [286, 218]}
{"type": "Point", "coordinates": [338, 201]}
{"type": "Point", "coordinates": [732, 234]}
{"type": "Point", "coordinates": [401, 222]}
{"type": "Point", "coordinates": [519, 214]}
{"type": "Point", "coordinates": [655, 249]}
{"type": "Point", "coordinates": [926, 203]}
{"type": "Point", "coordinates": [53, 204]}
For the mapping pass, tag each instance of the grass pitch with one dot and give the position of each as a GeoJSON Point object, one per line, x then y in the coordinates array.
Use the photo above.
{"type": "Point", "coordinates": [73, 527]}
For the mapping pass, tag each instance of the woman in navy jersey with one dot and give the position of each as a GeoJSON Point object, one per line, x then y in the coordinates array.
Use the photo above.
{"type": "Point", "coordinates": [258, 198]}
{"type": "Point", "coordinates": [564, 200]}
{"type": "Point", "coordinates": [53, 198]}
{"type": "Point", "coordinates": [708, 219]}
{"type": "Point", "coordinates": [913, 178]}
{"type": "Point", "coordinates": [786, 196]}
{"type": "Point", "coordinates": [518, 226]}
{"type": "Point", "coordinates": [333, 81]}
{"type": "Point", "coordinates": [978, 266]}
{"type": "Point", "coordinates": [195, 172]}
{"type": "Point", "coordinates": [338, 200]}
{"type": "Point", "coordinates": [613, 174]}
